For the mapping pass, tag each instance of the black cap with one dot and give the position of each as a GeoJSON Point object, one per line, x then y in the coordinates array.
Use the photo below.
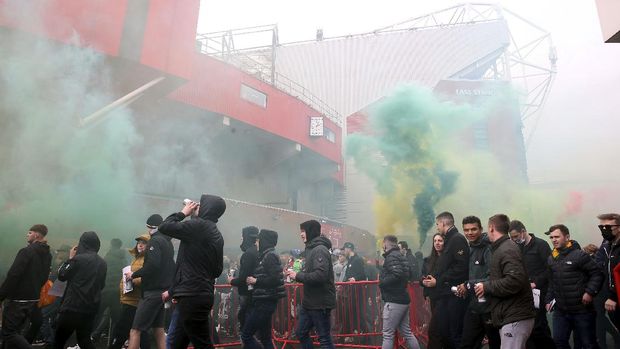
{"type": "Point", "coordinates": [348, 245]}
{"type": "Point", "coordinates": [154, 221]}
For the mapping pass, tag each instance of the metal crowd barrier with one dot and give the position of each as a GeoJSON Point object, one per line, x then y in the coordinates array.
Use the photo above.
{"type": "Point", "coordinates": [356, 322]}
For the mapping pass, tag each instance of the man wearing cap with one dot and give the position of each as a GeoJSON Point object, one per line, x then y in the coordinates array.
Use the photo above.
{"type": "Point", "coordinates": [355, 264]}
{"type": "Point", "coordinates": [22, 286]}
{"type": "Point", "coordinates": [247, 265]}
{"type": "Point", "coordinates": [156, 275]}
{"type": "Point", "coordinates": [317, 276]}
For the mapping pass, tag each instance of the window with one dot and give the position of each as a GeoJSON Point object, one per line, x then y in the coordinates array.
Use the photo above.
{"type": "Point", "coordinates": [329, 134]}
{"type": "Point", "coordinates": [253, 95]}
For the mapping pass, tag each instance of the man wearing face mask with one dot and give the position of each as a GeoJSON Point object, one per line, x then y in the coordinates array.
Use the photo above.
{"type": "Point", "coordinates": [247, 265]}
{"type": "Point", "coordinates": [535, 252]}
{"type": "Point", "coordinates": [608, 257]}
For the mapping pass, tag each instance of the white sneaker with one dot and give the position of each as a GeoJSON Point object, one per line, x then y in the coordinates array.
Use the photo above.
{"type": "Point", "coordinates": [76, 347]}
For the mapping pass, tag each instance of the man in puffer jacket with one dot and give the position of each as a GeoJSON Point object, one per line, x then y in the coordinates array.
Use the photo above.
{"type": "Point", "coordinates": [268, 283]}
{"type": "Point", "coordinates": [575, 280]}
{"type": "Point", "coordinates": [247, 265]}
{"type": "Point", "coordinates": [317, 276]}
{"type": "Point", "coordinates": [199, 262]}
{"type": "Point", "coordinates": [85, 274]}
{"type": "Point", "coordinates": [393, 284]}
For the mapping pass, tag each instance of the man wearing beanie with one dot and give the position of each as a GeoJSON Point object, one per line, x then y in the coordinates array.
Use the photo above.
{"type": "Point", "coordinates": [156, 275]}
{"type": "Point", "coordinates": [22, 286]}
{"type": "Point", "coordinates": [317, 276]}
{"type": "Point", "coordinates": [268, 283]}
{"type": "Point", "coordinates": [199, 263]}
{"type": "Point", "coordinates": [247, 264]}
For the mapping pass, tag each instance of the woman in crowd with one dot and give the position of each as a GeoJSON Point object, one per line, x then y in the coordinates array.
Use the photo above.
{"type": "Point", "coordinates": [129, 300]}
{"type": "Point", "coordinates": [428, 268]}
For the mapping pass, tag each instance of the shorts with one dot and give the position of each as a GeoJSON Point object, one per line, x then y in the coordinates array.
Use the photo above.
{"type": "Point", "coordinates": [150, 314]}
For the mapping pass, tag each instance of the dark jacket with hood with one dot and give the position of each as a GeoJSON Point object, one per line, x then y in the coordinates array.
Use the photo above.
{"type": "Point", "coordinates": [201, 252]}
{"type": "Point", "coordinates": [269, 277]}
{"type": "Point", "coordinates": [394, 277]}
{"type": "Point", "coordinates": [116, 260]}
{"type": "Point", "coordinates": [317, 274]}
{"type": "Point", "coordinates": [28, 273]}
{"type": "Point", "coordinates": [479, 260]}
{"type": "Point", "coordinates": [158, 269]}
{"type": "Point", "coordinates": [573, 272]}
{"type": "Point", "coordinates": [508, 290]}
{"type": "Point", "coordinates": [453, 264]}
{"type": "Point", "coordinates": [85, 275]}
{"type": "Point", "coordinates": [248, 260]}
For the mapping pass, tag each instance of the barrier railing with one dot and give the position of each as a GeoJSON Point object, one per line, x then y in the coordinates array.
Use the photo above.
{"type": "Point", "coordinates": [356, 321]}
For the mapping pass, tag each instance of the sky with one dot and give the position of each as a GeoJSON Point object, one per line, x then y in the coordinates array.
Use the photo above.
{"type": "Point", "coordinates": [575, 136]}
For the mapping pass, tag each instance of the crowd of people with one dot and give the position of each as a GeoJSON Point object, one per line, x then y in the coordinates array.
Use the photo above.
{"type": "Point", "coordinates": [495, 287]}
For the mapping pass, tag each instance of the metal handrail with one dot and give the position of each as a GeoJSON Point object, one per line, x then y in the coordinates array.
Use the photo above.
{"type": "Point", "coordinates": [240, 59]}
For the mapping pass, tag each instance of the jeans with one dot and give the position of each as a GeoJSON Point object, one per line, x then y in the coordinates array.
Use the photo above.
{"type": "Point", "coordinates": [14, 318]}
{"type": "Point", "coordinates": [396, 316]}
{"type": "Point", "coordinates": [174, 330]}
{"type": "Point", "coordinates": [320, 320]}
{"type": "Point", "coordinates": [258, 320]}
{"type": "Point", "coordinates": [193, 322]}
{"type": "Point", "coordinates": [583, 325]}
{"type": "Point", "coordinates": [515, 334]}
{"type": "Point", "coordinates": [475, 327]}
{"type": "Point", "coordinates": [81, 323]}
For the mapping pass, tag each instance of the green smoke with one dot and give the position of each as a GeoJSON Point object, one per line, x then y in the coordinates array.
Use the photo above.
{"type": "Point", "coordinates": [402, 152]}
{"type": "Point", "coordinates": [72, 179]}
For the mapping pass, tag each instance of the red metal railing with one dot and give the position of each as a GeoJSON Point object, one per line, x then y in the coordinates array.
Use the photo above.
{"type": "Point", "coordinates": [356, 321]}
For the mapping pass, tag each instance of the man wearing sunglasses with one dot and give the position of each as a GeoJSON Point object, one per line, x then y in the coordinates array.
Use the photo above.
{"type": "Point", "coordinates": [608, 257]}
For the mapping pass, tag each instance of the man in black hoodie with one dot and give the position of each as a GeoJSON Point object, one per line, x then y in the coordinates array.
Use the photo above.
{"type": "Point", "coordinates": [317, 276]}
{"type": "Point", "coordinates": [199, 263]}
{"type": "Point", "coordinates": [247, 264]}
{"type": "Point", "coordinates": [268, 283]}
{"type": "Point", "coordinates": [85, 274]}
{"type": "Point", "coordinates": [22, 286]}
{"type": "Point", "coordinates": [156, 273]}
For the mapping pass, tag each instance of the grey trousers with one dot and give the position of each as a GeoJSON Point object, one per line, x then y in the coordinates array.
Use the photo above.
{"type": "Point", "coordinates": [396, 317]}
{"type": "Point", "coordinates": [515, 334]}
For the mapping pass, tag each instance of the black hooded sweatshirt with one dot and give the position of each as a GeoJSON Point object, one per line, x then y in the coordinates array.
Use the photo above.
{"type": "Point", "coordinates": [201, 252]}
{"type": "Point", "coordinates": [269, 277]}
{"type": "Point", "coordinates": [85, 275]}
{"type": "Point", "coordinates": [28, 273]}
{"type": "Point", "coordinates": [248, 260]}
{"type": "Point", "coordinates": [317, 274]}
